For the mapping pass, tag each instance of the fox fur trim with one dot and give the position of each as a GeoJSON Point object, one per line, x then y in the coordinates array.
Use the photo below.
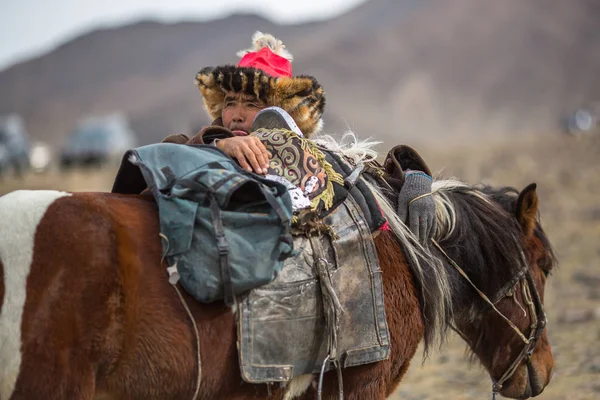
{"type": "Point", "coordinates": [301, 96]}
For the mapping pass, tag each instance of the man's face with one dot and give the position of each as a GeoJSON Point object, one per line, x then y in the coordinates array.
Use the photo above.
{"type": "Point", "coordinates": [239, 110]}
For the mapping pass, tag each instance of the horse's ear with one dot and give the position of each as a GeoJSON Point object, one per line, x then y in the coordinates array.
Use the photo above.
{"type": "Point", "coordinates": [527, 208]}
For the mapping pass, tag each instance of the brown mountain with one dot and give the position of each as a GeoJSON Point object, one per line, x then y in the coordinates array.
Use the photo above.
{"type": "Point", "coordinates": [399, 70]}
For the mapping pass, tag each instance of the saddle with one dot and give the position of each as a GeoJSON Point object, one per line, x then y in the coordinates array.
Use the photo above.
{"type": "Point", "coordinates": [325, 308]}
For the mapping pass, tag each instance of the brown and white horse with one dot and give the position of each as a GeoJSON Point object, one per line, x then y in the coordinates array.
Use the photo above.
{"type": "Point", "coordinates": [86, 310]}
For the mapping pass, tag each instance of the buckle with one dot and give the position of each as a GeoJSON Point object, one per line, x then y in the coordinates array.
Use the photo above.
{"type": "Point", "coordinates": [222, 245]}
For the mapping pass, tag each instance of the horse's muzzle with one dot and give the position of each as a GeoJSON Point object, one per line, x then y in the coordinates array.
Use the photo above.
{"type": "Point", "coordinates": [527, 382]}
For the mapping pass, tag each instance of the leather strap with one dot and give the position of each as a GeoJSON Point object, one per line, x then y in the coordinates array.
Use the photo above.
{"type": "Point", "coordinates": [223, 248]}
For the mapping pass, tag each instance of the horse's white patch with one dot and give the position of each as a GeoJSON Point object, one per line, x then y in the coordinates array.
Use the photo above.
{"type": "Point", "coordinates": [297, 386]}
{"type": "Point", "coordinates": [20, 214]}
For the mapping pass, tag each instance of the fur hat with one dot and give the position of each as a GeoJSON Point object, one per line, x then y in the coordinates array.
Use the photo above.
{"type": "Point", "coordinates": [265, 71]}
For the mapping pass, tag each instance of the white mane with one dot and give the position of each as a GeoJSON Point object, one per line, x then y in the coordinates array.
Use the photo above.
{"type": "Point", "coordinates": [445, 210]}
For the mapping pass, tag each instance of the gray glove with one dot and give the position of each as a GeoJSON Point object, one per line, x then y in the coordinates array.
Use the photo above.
{"type": "Point", "coordinates": [416, 205]}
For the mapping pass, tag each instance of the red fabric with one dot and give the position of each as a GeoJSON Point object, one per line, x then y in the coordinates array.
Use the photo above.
{"type": "Point", "coordinates": [385, 227]}
{"type": "Point", "coordinates": [267, 61]}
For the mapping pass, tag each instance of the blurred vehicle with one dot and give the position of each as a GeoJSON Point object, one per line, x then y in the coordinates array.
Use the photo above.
{"type": "Point", "coordinates": [40, 157]}
{"type": "Point", "coordinates": [584, 121]}
{"type": "Point", "coordinates": [14, 145]}
{"type": "Point", "coordinates": [98, 141]}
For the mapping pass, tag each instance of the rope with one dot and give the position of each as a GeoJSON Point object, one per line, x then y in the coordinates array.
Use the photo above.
{"type": "Point", "coordinates": [537, 325]}
{"type": "Point", "coordinates": [173, 270]}
{"type": "Point", "coordinates": [519, 304]}
{"type": "Point", "coordinates": [198, 360]}
{"type": "Point", "coordinates": [419, 198]}
{"type": "Point", "coordinates": [497, 386]}
{"type": "Point", "coordinates": [332, 308]}
{"type": "Point", "coordinates": [527, 299]}
{"type": "Point", "coordinates": [481, 294]}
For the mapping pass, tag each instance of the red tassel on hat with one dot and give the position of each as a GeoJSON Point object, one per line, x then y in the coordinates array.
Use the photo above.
{"type": "Point", "coordinates": [267, 61]}
{"type": "Point", "coordinates": [267, 54]}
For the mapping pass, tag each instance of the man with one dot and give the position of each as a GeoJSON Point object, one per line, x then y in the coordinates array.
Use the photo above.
{"type": "Point", "coordinates": [262, 80]}
{"type": "Point", "coordinates": [233, 96]}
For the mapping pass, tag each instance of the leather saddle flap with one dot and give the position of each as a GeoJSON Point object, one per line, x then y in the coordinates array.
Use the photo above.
{"type": "Point", "coordinates": [281, 326]}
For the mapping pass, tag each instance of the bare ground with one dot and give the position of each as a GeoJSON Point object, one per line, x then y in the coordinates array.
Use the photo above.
{"type": "Point", "coordinates": [567, 171]}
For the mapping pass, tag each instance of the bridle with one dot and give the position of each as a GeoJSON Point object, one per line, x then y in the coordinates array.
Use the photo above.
{"type": "Point", "coordinates": [531, 296]}
{"type": "Point", "coordinates": [537, 315]}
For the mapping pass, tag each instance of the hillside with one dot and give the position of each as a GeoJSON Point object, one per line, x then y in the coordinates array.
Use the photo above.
{"type": "Point", "coordinates": [396, 70]}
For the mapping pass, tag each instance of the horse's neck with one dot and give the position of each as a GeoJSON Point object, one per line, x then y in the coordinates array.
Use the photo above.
{"type": "Point", "coordinates": [401, 297]}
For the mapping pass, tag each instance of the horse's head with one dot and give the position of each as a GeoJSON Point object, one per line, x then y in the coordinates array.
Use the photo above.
{"type": "Point", "coordinates": [494, 236]}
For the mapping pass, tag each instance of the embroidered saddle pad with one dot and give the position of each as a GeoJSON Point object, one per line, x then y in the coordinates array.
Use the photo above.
{"type": "Point", "coordinates": [317, 178]}
{"type": "Point", "coordinates": [281, 325]}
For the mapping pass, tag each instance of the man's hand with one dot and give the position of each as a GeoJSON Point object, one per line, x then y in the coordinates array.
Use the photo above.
{"type": "Point", "coordinates": [249, 152]}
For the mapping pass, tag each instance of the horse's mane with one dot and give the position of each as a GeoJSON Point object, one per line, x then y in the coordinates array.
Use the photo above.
{"type": "Point", "coordinates": [476, 227]}
{"type": "Point", "coordinates": [478, 230]}
{"type": "Point", "coordinates": [507, 198]}
{"type": "Point", "coordinates": [483, 209]}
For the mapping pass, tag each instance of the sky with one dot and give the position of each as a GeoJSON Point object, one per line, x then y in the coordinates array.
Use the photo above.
{"type": "Point", "coordinates": [31, 27]}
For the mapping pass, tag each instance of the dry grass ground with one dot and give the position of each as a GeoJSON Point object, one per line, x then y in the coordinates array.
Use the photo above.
{"type": "Point", "coordinates": [567, 171]}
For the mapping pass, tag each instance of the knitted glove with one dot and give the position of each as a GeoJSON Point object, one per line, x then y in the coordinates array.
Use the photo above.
{"type": "Point", "coordinates": [416, 205]}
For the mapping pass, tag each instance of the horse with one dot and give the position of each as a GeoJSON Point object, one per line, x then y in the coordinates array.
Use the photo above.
{"type": "Point", "coordinates": [87, 312]}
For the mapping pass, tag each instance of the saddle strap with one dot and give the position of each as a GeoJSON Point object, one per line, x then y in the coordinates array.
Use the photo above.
{"type": "Point", "coordinates": [270, 198]}
{"type": "Point", "coordinates": [223, 248]}
{"type": "Point", "coordinates": [332, 309]}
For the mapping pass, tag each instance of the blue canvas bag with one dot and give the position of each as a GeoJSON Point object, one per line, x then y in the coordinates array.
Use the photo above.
{"type": "Point", "coordinates": [226, 230]}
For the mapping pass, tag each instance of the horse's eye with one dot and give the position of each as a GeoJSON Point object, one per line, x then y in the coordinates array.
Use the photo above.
{"type": "Point", "coordinates": [545, 265]}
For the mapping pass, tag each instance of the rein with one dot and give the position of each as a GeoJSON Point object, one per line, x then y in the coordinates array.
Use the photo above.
{"type": "Point", "coordinates": [173, 279]}
{"type": "Point", "coordinates": [536, 312]}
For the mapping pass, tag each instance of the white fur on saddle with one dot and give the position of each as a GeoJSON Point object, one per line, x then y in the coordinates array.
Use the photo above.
{"type": "Point", "coordinates": [300, 200]}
